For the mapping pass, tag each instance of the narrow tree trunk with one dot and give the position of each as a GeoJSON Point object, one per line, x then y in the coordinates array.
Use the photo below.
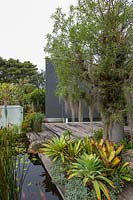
{"type": "Point", "coordinates": [6, 113]}
{"type": "Point", "coordinates": [129, 99]}
{"type": "Point", "coordinates": [72, 111]}
{"type": "Point", "coordinates": [130, 124]}
{"type": "Point", "coordinates": [91, 111]}
{"type": "Point", "coordinates": [32, 105]}
{"type": "Point", "coordinates": [80, 111]}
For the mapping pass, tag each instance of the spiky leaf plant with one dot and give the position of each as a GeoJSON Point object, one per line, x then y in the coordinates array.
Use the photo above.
{"type": "Point", "coordinates": [91, 170]}
{"type": "Point", "coordinates": [56, 147]}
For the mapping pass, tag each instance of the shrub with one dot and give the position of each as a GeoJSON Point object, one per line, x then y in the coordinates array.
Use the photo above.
{"type": "Point", "coordinates": [37, 122]}
{"type": "Point", "coordinates": [32, 122]}
{"type": "Point", "coordinates": [98, 134]}
{"type": "Point", "coordinates": [27, 122]}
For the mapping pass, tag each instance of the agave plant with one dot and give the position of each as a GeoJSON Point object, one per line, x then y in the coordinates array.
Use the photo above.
{"type": "Point", "coordinates": [56, 147]}
{"type": "Point", "coordinates": [91, 170]}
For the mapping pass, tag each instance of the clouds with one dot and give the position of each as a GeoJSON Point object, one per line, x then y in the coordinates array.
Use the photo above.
{"type": "Point", "coordinates": [24, 24]}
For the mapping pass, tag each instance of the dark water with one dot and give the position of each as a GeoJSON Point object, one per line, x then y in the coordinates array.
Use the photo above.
{"type": "Point", "coordinates": [34, 182]}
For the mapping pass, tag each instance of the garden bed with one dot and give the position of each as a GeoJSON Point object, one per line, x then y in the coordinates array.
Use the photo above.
{"type": "Point", "coordinates": [74, 189]}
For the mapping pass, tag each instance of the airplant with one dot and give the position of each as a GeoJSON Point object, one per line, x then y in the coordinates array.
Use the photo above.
{"type": "Point", "coordinates": [91, 170]}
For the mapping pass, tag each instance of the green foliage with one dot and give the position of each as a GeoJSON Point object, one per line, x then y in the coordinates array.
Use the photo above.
{"type": "Point", "coordinates": [57, 173]}
{"type": "Point", "coordinates": [98, 134]}
{"type": "Point", "coordinates": [97, 164]}
{"type": "Point", "coordinates": [36, 124]}
{"type": "Point", "coordinates": [91, 170]}
{"type": "Point", "coordinates": [32, 122]}
{"type": "Point", "coordinates": [91, 51]}
{"type": "Point", "coordinates": [123, 172]}
{"type": "Point", "coordinates": [27, 122]}
{"type": "Point", "coordinates": [12, 71]}
{"type": "Point", "coordinates": [88, 145]}
{"type": "Point", "coordinates": [56, 147]}
{"type": "Point", "coordinates": [127, 144]}
{"type": "Point", "coordinates": [109, 154]}
{"type": "Point", "coordinates": [37, 97]}
{"type": "Point", "coordinates": [74, 150]}
{"type": "Point", "coordinates": [76, 190]}
{"type": "Point", "coordinates": [10, 164]}
{"type": "Point", "coordinates": [9, 94]}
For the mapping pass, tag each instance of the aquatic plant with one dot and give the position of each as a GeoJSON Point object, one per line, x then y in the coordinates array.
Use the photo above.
{"type": "Point", "coordinates": [11, 165]}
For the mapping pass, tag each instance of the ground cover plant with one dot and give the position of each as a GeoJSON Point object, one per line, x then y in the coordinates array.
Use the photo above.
{"type": "Point", "coordinates": [97, 166]}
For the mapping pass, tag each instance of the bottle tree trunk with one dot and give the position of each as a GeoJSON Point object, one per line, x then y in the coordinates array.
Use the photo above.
{"type": "Point", "coordinates": [112, 130]}
{"type": "Point", "coordinates": [117, 132]}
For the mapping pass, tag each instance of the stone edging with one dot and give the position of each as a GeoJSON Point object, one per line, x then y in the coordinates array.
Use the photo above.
{"type": "Point", "coordinates": [48, 164]}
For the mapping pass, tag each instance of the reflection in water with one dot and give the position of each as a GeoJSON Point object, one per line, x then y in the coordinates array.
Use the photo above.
{"type": "Point", "coordinates": [36, 184]}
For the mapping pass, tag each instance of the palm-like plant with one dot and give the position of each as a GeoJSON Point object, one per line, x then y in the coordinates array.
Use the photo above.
{"type": "Point", "coordinates": [90, 169]}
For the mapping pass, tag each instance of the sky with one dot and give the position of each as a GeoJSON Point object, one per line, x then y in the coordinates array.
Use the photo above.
{"type": "Point", "coordinates": [23, 27]}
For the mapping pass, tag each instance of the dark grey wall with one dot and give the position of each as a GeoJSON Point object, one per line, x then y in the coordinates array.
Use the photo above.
{"type": "Point", "coordinates": [54, 108]}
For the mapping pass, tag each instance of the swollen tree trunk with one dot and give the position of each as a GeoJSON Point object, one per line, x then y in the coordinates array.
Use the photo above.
{"type": "Point", "coordinates": [113, 131]}
{"type": "Point", "coordinates": [117, 132]}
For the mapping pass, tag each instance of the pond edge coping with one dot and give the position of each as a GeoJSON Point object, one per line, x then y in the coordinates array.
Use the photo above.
{"type": "Point", "coordinates": [47, 163]}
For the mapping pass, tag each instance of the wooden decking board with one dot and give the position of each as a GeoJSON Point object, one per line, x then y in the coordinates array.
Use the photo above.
{"type": "Point", "coordinates": [77, 129]}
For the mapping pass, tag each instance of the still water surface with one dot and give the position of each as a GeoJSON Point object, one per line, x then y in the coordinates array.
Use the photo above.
{"type": "Point", "coordinates": [36, 184]}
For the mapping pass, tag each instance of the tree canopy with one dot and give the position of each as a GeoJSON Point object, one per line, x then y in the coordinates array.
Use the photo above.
{"type": "Point", "coordinates": [91, 50]}
{"type": "Point", "coordinates": [12, 71]}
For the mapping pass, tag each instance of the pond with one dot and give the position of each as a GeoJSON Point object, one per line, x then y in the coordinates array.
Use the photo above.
{"type": "Point", "coordinates": [33, 181]}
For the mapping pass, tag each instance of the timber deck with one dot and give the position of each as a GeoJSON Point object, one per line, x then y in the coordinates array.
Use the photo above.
{"type": "Point", "coordinates": [77, 129]}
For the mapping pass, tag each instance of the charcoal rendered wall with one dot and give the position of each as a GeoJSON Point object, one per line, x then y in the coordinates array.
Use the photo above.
{"type": "Point", "coordinates": [54, 108]}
